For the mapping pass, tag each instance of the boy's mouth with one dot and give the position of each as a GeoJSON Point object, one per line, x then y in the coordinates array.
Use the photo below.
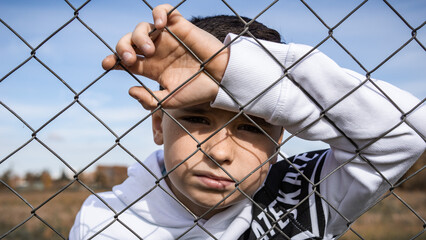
{"type": "Point", "coordinates": [216, 182]}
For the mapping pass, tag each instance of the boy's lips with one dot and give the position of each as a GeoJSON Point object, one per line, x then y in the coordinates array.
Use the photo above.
{"type": "Point", "coordinates": [213, 181]}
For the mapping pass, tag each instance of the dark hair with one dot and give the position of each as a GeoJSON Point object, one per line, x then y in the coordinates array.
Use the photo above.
{"type": "Point", "coordinates": [220, 25]}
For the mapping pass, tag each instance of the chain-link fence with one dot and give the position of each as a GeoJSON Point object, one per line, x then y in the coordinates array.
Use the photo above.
{"type": "Point", "coordinates": [24, 215]}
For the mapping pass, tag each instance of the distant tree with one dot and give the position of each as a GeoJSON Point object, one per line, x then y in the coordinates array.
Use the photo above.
{"type": "Point", "coordinates": [6, 176]}
{"type": "Point", "coordinates": [64, 176]}
{"type": "Point", "coordinates": [61, 181]}
{"type": "Point", "coordinates": [46, 179]}
{"type": "Point", "coordinates": [31, 178]}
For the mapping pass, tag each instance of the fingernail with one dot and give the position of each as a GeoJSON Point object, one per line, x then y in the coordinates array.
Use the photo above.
{"type": "Point", "coordinates": [127, 56]}
{"type": "Point", "coordinates": [146, 47]}
{"type": "Point", "coordinates": [158, 21]}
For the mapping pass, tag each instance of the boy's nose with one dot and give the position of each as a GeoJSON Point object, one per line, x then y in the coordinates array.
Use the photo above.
{"type": "Point", "coordinates": [221, 146]}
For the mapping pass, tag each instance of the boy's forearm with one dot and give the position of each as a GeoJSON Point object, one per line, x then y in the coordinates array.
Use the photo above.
{"type": "Point", "coordinates": [251, 71]}
{"type": "Point", "coordinates": [365, 116]}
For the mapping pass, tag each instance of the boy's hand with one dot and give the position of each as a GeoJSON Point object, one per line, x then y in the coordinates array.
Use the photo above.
{"type": "Point", "coordinates": [168, 62]}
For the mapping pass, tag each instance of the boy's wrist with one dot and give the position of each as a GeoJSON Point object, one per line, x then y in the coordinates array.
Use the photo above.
{"type": "Point", "coordinates": [250, 70]}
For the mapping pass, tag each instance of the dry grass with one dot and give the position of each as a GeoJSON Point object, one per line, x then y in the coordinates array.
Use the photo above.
{"type": "Point", "coordinates": [391, 219]}
{"type": "Point", "coordinates": [388, 220]}
{"type": "Point", "coordinates": [59, 212]}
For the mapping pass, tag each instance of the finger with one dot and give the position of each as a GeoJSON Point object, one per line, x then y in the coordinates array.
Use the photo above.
{"type": "Point", "coordinates": [125, 50]}
{"type": "Point", "coordinates": [142, 40]}
{"type": "Point", "coordinates": [109, 62]}
{"type": "Point", "coordinates": [160, 13]}
{"type": "Point", "coordinates": [145, 98]}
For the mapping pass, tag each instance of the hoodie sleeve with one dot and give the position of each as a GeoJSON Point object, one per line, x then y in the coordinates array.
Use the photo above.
{"type": "Point", "coordinates": [372, 138]}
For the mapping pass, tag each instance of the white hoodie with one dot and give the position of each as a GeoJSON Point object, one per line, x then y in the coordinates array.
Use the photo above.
{"type": "Point", "coordinates": [363, 116]}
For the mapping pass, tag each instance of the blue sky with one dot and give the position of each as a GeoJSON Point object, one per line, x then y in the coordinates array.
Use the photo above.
{"type": "Point", "coordinates": [371, 34]}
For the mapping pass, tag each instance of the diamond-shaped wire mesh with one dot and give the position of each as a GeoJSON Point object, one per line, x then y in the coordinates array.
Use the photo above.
{"type": "Point", "coordinates": [80, 137]}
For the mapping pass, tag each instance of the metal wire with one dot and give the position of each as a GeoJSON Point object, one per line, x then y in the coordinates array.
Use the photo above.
{"type": "Point", "coordinates": [324, 115]}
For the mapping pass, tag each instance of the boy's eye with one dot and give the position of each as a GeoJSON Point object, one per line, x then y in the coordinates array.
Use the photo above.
{"type": "Point", "coordinates": [249, 128]}
{"type": "Point", "coordinates": [196, 119]}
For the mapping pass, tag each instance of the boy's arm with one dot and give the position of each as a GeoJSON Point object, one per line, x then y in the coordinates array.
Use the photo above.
{"type": "Point", "coordinates": [373, 126]}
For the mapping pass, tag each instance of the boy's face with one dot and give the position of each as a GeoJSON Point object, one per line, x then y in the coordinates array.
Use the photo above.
{"type": "Point", "coordinates": [239, 148]}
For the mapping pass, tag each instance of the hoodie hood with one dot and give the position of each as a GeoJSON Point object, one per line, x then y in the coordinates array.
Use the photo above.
{"type": "Point", "coordinates": [155, 205]}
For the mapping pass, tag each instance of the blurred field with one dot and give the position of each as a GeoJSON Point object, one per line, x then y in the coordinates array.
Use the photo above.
{"type": "Point", "coordinates": [58, 212]}
{"type": "Point", "coordinates": [390, 219]}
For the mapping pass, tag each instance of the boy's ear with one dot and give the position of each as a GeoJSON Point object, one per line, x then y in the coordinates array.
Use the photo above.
{"type": "Point", "coordinates": [157, 127]}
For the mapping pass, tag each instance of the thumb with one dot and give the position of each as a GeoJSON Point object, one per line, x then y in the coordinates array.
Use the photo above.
{"type": "Point", "coordinates": [148, 101]}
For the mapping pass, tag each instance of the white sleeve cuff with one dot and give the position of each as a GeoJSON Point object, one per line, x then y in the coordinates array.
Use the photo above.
{"type": "Point", "coordinates": [250, 71]}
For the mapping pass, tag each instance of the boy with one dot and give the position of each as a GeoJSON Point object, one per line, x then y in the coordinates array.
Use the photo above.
{"type": "Point", "coordinates": [222, 181]}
